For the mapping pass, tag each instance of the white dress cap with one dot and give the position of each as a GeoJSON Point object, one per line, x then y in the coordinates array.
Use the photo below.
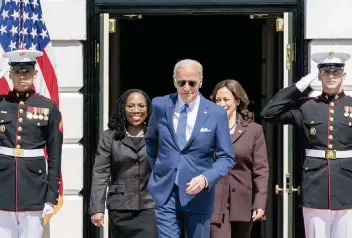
{"type": "Point", "coordinates": [331, 57]}
{"type": "Point", "coordinates": [22, 56]}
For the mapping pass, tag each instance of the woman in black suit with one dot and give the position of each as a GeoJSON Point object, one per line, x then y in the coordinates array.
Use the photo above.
{"type": "Point", "coordinates": [121, 162]}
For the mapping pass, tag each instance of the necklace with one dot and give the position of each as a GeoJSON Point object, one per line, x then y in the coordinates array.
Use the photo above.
{"type": "Point", "coordinates": [140, 134]}
{"type": "Point", "coordinates": [233, 126]}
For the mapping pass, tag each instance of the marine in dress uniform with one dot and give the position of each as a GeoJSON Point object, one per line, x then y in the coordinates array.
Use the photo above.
{"type": "Point", "coordinates": [326, 126]}
{"type": "Point", "coordinates": [29, 122]}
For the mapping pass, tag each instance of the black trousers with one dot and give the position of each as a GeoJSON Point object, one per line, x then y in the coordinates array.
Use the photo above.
{"type": "Point", "coordinates": [132, 224]}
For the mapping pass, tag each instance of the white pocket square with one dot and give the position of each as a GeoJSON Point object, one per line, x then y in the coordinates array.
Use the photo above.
{"type": "Point", "coordinates": [205, 130]}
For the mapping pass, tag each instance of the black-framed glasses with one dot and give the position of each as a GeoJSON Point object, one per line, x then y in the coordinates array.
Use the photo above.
{"type": "Point", "coordinates": [191, 83]}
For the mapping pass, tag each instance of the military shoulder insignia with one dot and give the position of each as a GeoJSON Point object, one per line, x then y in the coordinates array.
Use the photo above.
{"type": "Point", "coordinates": [61, 126]}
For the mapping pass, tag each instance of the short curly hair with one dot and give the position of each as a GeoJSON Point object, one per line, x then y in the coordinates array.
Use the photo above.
{"type": "Point", "coordinates": [117, 121]}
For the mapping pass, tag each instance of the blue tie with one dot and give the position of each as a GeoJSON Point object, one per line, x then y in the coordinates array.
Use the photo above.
{"type": "Point", "coordinates": [181, 127]}
{"type": "Point", "coordinates": [181, 132]}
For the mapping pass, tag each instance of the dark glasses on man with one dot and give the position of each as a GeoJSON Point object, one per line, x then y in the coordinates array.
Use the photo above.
{"type": "Point", "coordinates": [191, 83]}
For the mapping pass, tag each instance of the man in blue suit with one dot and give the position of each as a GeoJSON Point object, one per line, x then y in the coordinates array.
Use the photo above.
{"type": "Point", "coordinates": [189, 149]}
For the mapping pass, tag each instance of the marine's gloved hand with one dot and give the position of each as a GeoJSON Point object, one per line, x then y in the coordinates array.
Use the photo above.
{"type": "Point", "coordinates": [305, 81]}
{"type": "Point", "coordinates": [48, 209]}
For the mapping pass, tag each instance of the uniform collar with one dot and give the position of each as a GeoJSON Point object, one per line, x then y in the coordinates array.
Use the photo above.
{"type": "Point", "coordinates": [333, 97]}
{"type": "Point", "coordinates": [22, 96]}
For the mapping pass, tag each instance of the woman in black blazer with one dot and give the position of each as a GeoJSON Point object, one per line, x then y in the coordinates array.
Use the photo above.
{"type": "Point", "coordinates": [121, 162]}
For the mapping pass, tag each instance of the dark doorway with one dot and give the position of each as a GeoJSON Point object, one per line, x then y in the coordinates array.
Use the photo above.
{"type": "Point", "coordinates": [226, 46]}
{"type": "Point", "coordinates": [144, 51]}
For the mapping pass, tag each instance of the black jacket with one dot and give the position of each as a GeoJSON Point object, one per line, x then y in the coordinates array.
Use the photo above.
{"type": "Point", "coordinates": [325, 126]}
{"type": "Point", "coordinates": [125, 168]}
{"type": "Point", "coordinates": [29, 121]}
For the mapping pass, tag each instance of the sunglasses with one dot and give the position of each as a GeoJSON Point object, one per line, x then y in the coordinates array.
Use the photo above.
{"type": "Point", "coordinates": [191, 83]}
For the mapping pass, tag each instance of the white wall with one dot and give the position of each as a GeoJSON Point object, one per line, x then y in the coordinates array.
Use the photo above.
{"type": "Point", "coordinates": [66, 22]}
{"type": "Point", "coordinates": [329, 25]}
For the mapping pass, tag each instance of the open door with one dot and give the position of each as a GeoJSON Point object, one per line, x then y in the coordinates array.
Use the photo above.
{"type": "Point", "coordinates": [103, 60]}
{"type": "Point", "coordinates": [285, 189]}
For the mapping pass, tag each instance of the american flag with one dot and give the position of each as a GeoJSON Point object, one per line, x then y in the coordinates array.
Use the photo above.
{"type": "Point", "coordinates": [22, 27]}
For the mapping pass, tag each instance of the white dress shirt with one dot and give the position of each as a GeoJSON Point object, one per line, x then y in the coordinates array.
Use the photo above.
{"type": "Point", "coordinates": [192, 112]}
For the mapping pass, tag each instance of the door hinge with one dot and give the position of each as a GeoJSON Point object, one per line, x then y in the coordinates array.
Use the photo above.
{"type": "Point", "coordinates": [279, 24]}
{"type": "Point", "coordinates": [288, 56]}
{"type": "Point", "coordinates": [112, 25]}
{"type": "Point", "coordinates": [97, 53]}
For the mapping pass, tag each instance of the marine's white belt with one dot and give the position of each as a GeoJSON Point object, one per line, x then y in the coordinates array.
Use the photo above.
{"type": "Point", "coordinates": [21, 152]}
{"type": "Point", "coordinates": [322, 153]}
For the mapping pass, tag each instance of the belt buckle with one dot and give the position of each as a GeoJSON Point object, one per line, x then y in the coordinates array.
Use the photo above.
{"type": "Point", "coordinates": [18, 152]}
{"type": "Point", "coordinates": [330, 154]}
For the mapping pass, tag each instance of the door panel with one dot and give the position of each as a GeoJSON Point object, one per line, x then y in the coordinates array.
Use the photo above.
{"type": "Point", "coordinates": [287, 132]}
{"type": "Point", "coordinates": [288, 192]}
{"type": "Point", "coordinates": [103, 60]}
{"type": "Point", "coordinates": [271, 75]}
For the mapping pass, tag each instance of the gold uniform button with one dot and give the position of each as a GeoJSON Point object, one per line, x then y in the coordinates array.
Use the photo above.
{"type": "Point", "coordinates": [332, 104]}
{"type": "Point", "coordinates": [21, 102]}
{"type": "Point", "coordinates": [38, 124]}
{"type": "Point", "coordinates": [18, 137]}
{"type": "Point", "coordinates": [331, 128]}
{"type": "Point", "coordinates": [331, 137]}
{"type": "Point", "coordinates": [331, 119]}
{"type": "Point", "coordinates": [332, 111]}
{"type": "Point", "coordinates": [330, 146]}
{"type": "Point", "coordinates": [19, 128]}
{"type": "Point", "coordinates": [21, 110]}
{"type": "Point", "coordinates": [2, 120]}
{"type": "Point", "coordinates": [20, 119]}
{"type": "Point", "coordinates": [18, 147]}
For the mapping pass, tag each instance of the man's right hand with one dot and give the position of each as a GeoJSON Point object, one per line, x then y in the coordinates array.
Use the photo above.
{"type": "Point", "coordinates": [305, 81]}
{"type": "Point", "coordinates": [98, 219]}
